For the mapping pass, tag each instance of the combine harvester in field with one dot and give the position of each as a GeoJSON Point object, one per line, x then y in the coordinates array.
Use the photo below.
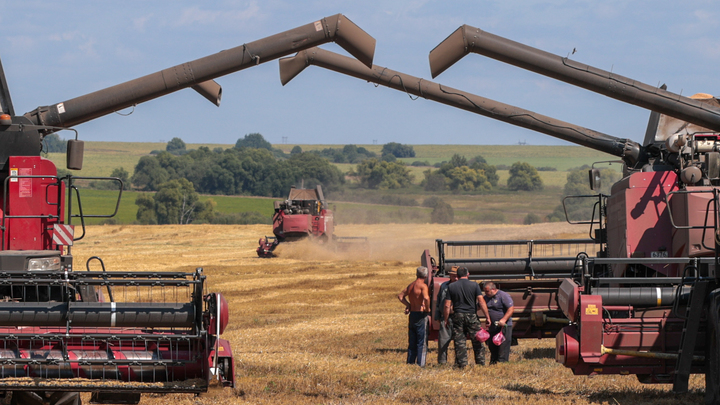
{"type": "Point", "coordinates": [641, 295]}
{"type": "Point", "coordinates": [115, 334]}
{"type": "Point", "coordinates": [305, 214]}
{"type": "Point", "coordinates": [547, 263]}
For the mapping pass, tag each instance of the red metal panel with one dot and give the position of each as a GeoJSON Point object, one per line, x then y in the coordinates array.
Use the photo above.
{"type": "Point", "coordinates": [567, 348]}
{"type": "Point", "coordinates": [568, 298]}
{"type": "Point", "coordinates": [32, 197]}
{"type": "Point", "coordinates": [692, 209]}
{"type": "Point", "coordinates": [292, 225]}
{"type": "Point", "coordinates": [591, 322]}
{"type": "Point", "coordinates": [641, 224]}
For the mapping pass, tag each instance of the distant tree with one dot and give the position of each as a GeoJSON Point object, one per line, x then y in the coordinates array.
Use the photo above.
{"type": "Point", "coordinates": [383, 175]}
{"type": "Point", "coordinates": [295, 150]}
{"type": "Point", "coordinates": [489, 171]}
{"type": "Point", "coordinates": [464, 178]}
{"type": "Point", "coordinates": [398, 150]}
{"type": "Point", "coordinates": [118, 172]}
{"type": "Point", "coordinates": [457, 160]}
{"type": "Point", "coordinates": [149, 173]}
{"type": "Point", "coordinates": [146, 209]}
{"type": "Point", "coordinates": [53, 144]}
{"type": "Point", "coordinates": [524, 177]}
{"type": "Point", "coordinates": [176, 202]}
{"type": "Point", "coordinates": [434, 181]}
{"type": "Point", "coordinates": [442, 213]}
{"type": "Point", "coordinates": [388, 158]}
{"type": "Point", "coordinates": [176, 146]}
{"type": "Point", "coordinates": [316, 170]}
{"type": "Point", "coordinates": [461, 175]}
{"type": "Point", "coordinates": [420, 163]}
{"type": "Point", "coordinates": [121, 174]}
{"type": "Point", "coordinates": [346, 154]}
{"type": "Point", "coordinates": [253, 140]}
{"type": "Point", "coordinates": [581, 209]}
{"type": "Point", "coordinates": [532, 219]}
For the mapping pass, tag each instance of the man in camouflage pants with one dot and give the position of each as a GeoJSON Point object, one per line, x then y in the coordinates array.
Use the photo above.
{"type": "Point", "coordinates": [465, 296]}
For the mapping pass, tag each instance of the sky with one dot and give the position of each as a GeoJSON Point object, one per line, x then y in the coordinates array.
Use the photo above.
{"type": "Point", "coordinates": [55, 51]}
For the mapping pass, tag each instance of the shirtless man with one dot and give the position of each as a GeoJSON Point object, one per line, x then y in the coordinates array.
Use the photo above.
{"type": "Point", "coordinates": [418, 307]}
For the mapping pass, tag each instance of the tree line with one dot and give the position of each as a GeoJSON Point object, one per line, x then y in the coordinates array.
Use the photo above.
{"type": "Point", "coordinates": [254, 167]}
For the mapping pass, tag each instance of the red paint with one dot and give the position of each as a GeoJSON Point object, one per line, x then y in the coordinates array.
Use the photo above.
{"type": "Point", "coordinates": [640, 222]}
{"type": "Point", "coordinates": [32, 197]}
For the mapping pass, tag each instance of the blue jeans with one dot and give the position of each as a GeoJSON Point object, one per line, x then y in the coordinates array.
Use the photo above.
{"type": "Point", "coordinates": [417, 338]}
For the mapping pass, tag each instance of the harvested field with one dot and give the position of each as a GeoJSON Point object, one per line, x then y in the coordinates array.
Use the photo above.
{"type": "Point", "coordinates": [318, 327]}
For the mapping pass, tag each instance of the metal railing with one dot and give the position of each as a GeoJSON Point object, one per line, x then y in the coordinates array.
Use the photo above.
{"type": "Point", "coordinates": [516, 259]}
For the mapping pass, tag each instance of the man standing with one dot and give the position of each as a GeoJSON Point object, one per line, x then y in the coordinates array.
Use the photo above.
{"type": "Point", "coordinates": [500, 306]}
{"type": "Point", "coordinates": [464, 296]}
{"type": "Point", "coordinates": [445, 332]}
{"type": "Point", "coordinates": [418, 307]}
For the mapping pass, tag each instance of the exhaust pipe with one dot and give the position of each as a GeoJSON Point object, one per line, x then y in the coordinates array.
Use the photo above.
{"type": "Point", "coordinates": [468, 39]}
{"type": "Point", "coordinates": [292, 66]}
{"type": "Point", "coordinates": [200, 72]}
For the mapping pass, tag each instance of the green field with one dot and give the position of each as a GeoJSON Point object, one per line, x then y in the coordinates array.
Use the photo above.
{"type": "Point", "coordinates": [102, 202]}
{"type": "Point", "coordinates": [101, 158]}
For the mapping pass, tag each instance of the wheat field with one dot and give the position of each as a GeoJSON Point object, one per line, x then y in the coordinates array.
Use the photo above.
{"type": "Point", "coordinates": [318, 327]}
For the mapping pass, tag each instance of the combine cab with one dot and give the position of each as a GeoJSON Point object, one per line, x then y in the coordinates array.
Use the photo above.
{"type": "Point", "coordinates": [303, 215]}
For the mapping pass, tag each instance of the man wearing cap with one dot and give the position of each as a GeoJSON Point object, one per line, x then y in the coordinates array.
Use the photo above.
{"type": "Point", "coordinates": [418, 308]}
{"type": "Point", "coordinates": [463, 297]}
{"type": "Point", "coordinates": [445, 333]}
{"type": "Point", "coordinates": [500, 306]}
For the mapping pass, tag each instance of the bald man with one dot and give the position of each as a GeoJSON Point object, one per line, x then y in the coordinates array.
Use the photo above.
{"type": "Point", "coordinates": [416, 299]}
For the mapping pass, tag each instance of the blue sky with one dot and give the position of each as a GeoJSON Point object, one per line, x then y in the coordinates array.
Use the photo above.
{"type": "Point", "coordinates": [54, 51]}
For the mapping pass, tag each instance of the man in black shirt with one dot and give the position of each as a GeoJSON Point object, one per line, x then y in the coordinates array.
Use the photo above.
{"type": "Point", "coordinates": [465, 296]}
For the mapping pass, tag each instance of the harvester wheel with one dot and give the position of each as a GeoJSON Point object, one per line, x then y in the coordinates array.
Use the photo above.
{"type": "Point", "coordinates": [41, 398]}
{"type": "Point", "coordinates": [712, 372]}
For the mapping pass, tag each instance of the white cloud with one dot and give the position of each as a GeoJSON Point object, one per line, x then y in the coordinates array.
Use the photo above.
{"type": "Point", "coordinates": [139, 23]}
{"type": "Point", "coordinates": [88, 47]}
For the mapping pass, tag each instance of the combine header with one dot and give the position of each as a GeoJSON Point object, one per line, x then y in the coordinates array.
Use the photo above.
{"type": "Point", "coordinates": [305, 214]}
{"type": "Point", "coordinates": [116, 334]}
{"type": "Point", "coordinates": [642, 295]}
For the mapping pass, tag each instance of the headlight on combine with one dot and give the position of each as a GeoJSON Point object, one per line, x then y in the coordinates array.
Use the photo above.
{"type": "Point", "coordinates": [44, 263]}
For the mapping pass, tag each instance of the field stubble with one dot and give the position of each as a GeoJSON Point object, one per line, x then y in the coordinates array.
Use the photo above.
{"type": "Point", "coordinates": [318, 327]}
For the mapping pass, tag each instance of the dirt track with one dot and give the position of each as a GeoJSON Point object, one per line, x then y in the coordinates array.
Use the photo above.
{"type": "Point", "coordinates": [314, 326]}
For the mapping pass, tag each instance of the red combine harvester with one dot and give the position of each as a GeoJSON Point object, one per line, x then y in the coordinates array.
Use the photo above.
{"type": "Point", "coordinates": [117, 334]}
{"type": "Point", "coordinates": [640, 296]}
{"type": "Point", "coordinates": [304, 214]}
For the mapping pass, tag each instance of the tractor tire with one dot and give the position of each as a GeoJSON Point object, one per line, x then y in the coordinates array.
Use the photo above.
{"type": "Point", "coordinates": [712, 351]}
{"type": "Point", "coordinates": [42, 398]}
